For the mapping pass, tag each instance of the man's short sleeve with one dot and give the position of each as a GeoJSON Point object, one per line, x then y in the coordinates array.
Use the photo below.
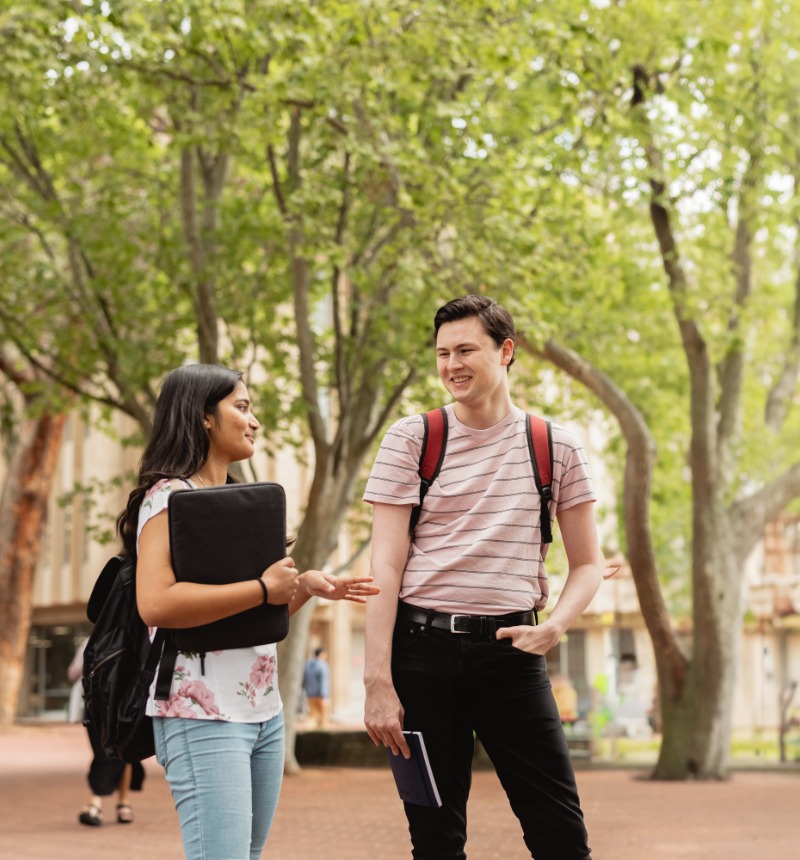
{"type": "Point", "coordinates": [394, 479]}
{"type": "Point", "coordinates": [570, 470]}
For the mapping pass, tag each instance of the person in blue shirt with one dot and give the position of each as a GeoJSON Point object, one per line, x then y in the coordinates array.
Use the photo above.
{"type": "Point", "coordinates": [317, 687]}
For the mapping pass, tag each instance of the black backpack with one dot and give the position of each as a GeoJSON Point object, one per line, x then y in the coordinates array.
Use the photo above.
{"type": "Point", "coordinates": [540, 447]}
{"type": "Point", "coordinates": [119, 664]}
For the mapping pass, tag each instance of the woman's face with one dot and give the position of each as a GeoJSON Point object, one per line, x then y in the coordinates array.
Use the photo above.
{"type": "Point", "coordinates": [231, 432]}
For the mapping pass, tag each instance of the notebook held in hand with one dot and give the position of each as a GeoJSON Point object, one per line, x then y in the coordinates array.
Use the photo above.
{"type": "Point", "coordinates": [227, 534]}
{"type": "Point", "coordinates": [413, 776]}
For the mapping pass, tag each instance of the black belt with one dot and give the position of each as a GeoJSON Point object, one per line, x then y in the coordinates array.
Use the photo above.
{"type": "Point", "coordinates": [480, 625]}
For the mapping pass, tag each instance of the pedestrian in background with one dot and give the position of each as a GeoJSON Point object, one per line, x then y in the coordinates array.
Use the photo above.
{"type": "Point", "coordinates": [106, 775]}
{"type": "Point", "coordinates": [317, 687]}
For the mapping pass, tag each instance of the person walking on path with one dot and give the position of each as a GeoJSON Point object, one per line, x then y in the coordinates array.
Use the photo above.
{"type": "Point", "coordinates": [317, 687]}
{"type": "Point", "coordinates": [219, 735]}
{"type": "Point", "coordinates": [106, 775]}
{"type": "Point", "coordinates": [453, 646]}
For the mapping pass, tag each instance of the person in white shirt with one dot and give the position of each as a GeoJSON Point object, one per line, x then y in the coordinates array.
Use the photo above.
{"type": "Point", "coordinates": [219, 735]}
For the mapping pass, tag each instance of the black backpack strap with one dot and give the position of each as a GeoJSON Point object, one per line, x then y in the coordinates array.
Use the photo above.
{"type": "Point", "coordinates": [540, 447]}
{"type": "Point", "coordinates": [163, 649]}
{"type": "Point", "coordinates": [431, 456]}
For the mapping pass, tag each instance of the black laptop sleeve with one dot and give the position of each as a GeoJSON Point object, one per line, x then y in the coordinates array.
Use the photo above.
{"type": "Point", "coordinates": [229, 534]}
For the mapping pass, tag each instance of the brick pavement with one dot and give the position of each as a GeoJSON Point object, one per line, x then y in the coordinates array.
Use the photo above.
{"type": "Point", "coordinates": [354, 814]}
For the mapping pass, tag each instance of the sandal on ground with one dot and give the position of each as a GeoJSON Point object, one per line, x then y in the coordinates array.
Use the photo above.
{"type": "Point", "coordinates": [91, 815]}
{"type": "Point", "coordinates": [124, 813]}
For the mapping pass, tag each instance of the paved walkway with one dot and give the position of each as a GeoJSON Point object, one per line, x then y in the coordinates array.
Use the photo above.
{"type": "Point", "coordinates": [354, 814]}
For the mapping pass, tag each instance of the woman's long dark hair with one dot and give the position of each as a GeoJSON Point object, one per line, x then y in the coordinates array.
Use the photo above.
{"type": "Point", "coordinates": [178, 445]}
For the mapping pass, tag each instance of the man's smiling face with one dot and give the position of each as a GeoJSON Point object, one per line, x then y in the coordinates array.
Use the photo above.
{"type": "Point", "coordinates": [470, 364]}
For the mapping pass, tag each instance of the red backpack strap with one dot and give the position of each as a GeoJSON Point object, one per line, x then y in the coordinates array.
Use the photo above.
{"type": "Point", "coordinates": [540, 446]}
{"type": "Point", "coordinates": [434, 444]}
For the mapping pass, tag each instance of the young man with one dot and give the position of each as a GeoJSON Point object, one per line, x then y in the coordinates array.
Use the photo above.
{"type": "Point", "coordinates": [476, 552]}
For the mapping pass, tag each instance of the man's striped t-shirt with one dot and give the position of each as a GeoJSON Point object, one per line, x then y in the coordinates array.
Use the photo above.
{"type": "Point", "coordinates": [477, 545]}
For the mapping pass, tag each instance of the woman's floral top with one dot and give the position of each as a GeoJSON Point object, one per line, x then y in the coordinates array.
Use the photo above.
{"type": "Point", "coordinates": [240, 685]}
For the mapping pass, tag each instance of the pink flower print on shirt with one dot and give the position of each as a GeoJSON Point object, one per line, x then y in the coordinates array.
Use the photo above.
{"type": "Point", "coordinates": [200, 695]}
{"type": "Point", "coordinates": [190, 697]}
{"type": "Point", "coordinates": [262, 676]}
{"type": "Point", "coordinates": [175, 706]}
{"type": "Point", "coordinates": [262, 672]}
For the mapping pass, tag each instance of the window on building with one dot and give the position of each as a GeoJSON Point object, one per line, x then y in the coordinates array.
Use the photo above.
{"type": "Point", "coordinates": [624, 643]}
{"type": "Point", "coordinates": [50, 651]}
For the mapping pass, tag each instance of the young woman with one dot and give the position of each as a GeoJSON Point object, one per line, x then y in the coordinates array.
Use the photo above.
{"type": "Point", "coordinates": [219, 736]}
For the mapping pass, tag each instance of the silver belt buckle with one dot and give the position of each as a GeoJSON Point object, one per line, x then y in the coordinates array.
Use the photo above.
{"type": "Point", "coordinates": [453, 622]}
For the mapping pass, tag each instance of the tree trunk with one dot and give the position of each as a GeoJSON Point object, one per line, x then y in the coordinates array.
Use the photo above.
{"type": "Point", "coordinates": [23, 515]}
{"type": "Point", "coordinates": [697, 722]}
{"type": "Point", "coordinates": [328, 501]}
{"type": "Point", "coordinates": [291, 660]}
{"type": "Point", "coordinates": [696, 695]}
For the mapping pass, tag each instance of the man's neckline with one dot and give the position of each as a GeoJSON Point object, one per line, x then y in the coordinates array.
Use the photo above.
{"type": "Point", "coordinates": [511, 414]}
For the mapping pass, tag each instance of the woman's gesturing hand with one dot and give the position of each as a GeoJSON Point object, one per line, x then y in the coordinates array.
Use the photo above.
{"type": "Point", "coordinates": [355, 588]}
{"type": "Point", "coordinates": [281, 580]}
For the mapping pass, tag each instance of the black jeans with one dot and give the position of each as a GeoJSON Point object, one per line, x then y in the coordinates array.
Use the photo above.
{"type": "Point", "coordinates": [453, 684]}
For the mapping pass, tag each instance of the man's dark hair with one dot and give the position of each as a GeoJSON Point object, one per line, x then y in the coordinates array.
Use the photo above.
{"type": "Point", "coordinates": [496, 320]}
{"type": "Point", "coordinates": [318, 651]}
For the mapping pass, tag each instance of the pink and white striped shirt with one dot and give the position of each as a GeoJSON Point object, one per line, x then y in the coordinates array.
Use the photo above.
{"type": "Point", "coordinates": [477, 545]}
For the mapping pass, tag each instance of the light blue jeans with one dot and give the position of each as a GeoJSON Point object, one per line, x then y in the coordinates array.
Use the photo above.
{"type": "Point", "coordinates": [225, 780]}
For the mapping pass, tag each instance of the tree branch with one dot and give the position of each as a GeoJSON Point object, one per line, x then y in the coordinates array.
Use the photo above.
{"type": "Point", "coordinates": [703, 452]}
{"type": "Point", "coordinates": [639, 459]}
{"type": "Point", "coordinates": [300, 294]}
{"type": "Point", "coordinates": [383, 416]}
{"type": "Point", "coordinates": [780, 396]}
{"type": "Point", "coordinates": [752, 513]}
{"type": "Point", "coordinates": [342, 377]}
{"type": "Point", "coordinates": [205, 311]}
{"type": "Point", "coordinates": [32, 155]}
{"type": "Point", "coordinates": [731, 370]}
{"type": "Point", "coordinates": [127, 405]}
{"type": "Point", "coordinates": [10, 368]}
{"type": "Point", "coordinates": [276, 182]}
{"type": "Point", "coordinates": [346, 565]}
{"type": "Point", "coordinates": [223, 82]}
